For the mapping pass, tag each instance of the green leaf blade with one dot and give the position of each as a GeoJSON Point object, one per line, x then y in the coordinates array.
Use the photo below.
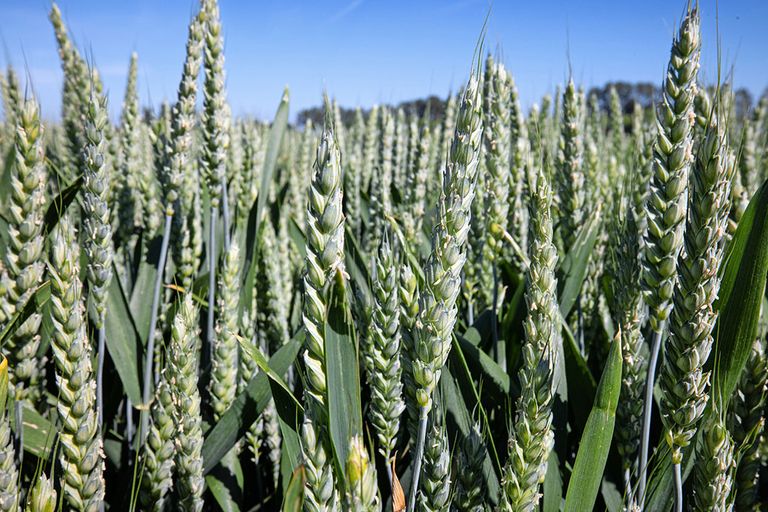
{"type": "Point", "coordinates": [596, 441]}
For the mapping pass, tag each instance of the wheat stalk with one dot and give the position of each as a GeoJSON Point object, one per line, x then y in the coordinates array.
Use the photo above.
{"type": "Point", "coordinates": [437, 304]}
{"type": "Point", "coordinates": [666, 208]}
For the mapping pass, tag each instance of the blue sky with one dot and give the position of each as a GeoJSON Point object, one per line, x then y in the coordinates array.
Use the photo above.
{"type": "Point", "coordinates": [365, 52]}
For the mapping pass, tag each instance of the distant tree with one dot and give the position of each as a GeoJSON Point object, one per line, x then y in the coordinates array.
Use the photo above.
{"type": "Point", "coordinates": [435, 104]}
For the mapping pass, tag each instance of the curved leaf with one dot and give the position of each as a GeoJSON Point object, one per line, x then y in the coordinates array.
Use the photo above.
{"type": "Point", "coordinates": [741, 295]}
{"type": "Point", "coordinates": [246, 408]}
{"type": "Point", "coordinates": [345, 416]}
{"type": "Point", "coordinates": [294, 493]}
{"type": "Point", "coordinates": [596, 440]}
{"type": "Point", "coordinates": [279, 126]}
{"type": "Point", "coordinates": [574, 267]}
{"type": "Point", "coordinates": [123, 340]}
{"type": "Point", "coordinates": [60, 204]}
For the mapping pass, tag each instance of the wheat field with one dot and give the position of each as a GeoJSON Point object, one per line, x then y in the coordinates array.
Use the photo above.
{"type": "Point", "coordinates": [451, 305]}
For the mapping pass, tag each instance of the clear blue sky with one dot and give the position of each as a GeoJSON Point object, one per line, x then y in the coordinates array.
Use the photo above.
{"type": "Point", "coordinates": [365, 52]}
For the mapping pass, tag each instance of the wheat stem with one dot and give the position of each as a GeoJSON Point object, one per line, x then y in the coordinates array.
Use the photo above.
{"type": "Point", "coordinates": [150, 351]}
{"type": "Point", "coordinates": [647, 412]}
{"type": "Point", "coordinates": [678, 487]}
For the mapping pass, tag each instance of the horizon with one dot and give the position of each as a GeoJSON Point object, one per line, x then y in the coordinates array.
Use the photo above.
{"type": "Point", "coordinates": [431, 54]}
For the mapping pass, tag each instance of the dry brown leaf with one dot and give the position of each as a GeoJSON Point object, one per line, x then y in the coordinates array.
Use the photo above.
{"type": "Point", "coordinates": [398, 497]}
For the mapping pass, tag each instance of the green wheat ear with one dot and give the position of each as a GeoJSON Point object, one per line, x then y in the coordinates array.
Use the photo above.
{"type": "Point", "coordinates": [81, 456]}
{"type": "Point", "coordinates": [362, 493]}
{"type": "Point", "coordinates": [693, 317]}
{"type": "Point", "coordinates": [324, 257]}
{"type": "Point", "coordinates": [713, 476]}
{"type": "Point", "coordinates": [382, 350]}
{"type": "Point", "coordinates": [624, 268]}
{"type": "Point", "coordinates": [159, 450]}
{"type": "Point", "coordinates": [224, 364]}
{"type": "Point", "coordinates": [9, 473]}
{"type": "Point", "coordinates": [435, 488]}
{"type": "Point", "coordinates": [130, 204]}
{"type": "Point", "coordinates": [746, 423]}
{"type": "Point", "coordinates": [471, 493]}
{"type": "Point", "coordinates": [215, 116]}
{"type": "Point", "coordinates": [437, 304]}
{"type": "Point", "coordinates": [97, 229]}
{"type": "Point", "coordinates": [570, 173]}
{"type": "Point", "coordinates": [533, 438]}
{"type": "Point", "coordinates": [23, 260]}
{"type": "Point", "coordinates": [666, 208]}
{"type": "Point", "coordinates": [183, 367]}
{"type": "Point", "coordinates": [497, 155]}
{"type": "Point", "coordinates": [672, 159]}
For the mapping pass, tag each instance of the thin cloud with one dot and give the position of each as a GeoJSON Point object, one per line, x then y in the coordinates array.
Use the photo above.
{"type": "Point", "coordinates": [351, 6]}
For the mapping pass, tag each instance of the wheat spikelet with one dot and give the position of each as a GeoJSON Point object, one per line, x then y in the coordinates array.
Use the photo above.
{"type": "Point", "coordinates": [42, 496]}
{"type": "Point", "coordinates": [362, 494]}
